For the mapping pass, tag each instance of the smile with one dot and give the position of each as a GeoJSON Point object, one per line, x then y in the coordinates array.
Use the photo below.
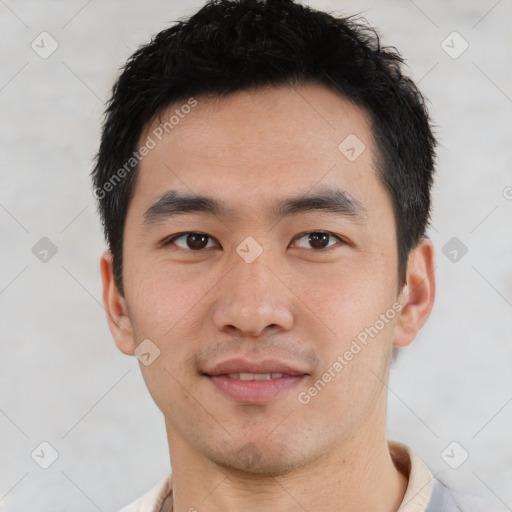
{"type": "Point", "coordinates": [254, 388]}
{"type": "Point", "coordinates": [254, 376]}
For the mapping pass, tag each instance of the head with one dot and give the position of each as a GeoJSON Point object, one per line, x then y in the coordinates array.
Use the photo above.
{"type": "Point", "coordinates": [291, 146]}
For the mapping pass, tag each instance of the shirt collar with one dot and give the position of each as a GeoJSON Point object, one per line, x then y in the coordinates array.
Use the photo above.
{"type": "Point", "coordinates": [419, 487]}
{"type": "Point", "coordinates": [416, 498]}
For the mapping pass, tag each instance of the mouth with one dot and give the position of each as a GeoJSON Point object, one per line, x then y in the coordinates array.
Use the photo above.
{"type": "Point", "coordinates": [254, 388]}
{"type": "Point", "coordinates": [253, 376]}
{"type": "Point", "coordinates": [254, 382]}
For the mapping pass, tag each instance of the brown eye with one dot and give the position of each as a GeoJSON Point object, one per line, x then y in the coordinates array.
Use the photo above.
{"type": "Point", "coordinates": [191, 241]}
{"type": "Point", "coordinates": [318, 240]}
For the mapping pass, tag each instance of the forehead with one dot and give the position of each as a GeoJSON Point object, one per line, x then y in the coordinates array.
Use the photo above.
{"type": "Point", "coordinates": [253, 146]}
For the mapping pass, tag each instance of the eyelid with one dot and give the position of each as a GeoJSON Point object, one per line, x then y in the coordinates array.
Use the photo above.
{"type": "Point", "coordinates": [172, 238]}
{"type": "Point", "coordinates": [338, 238]}
{"type": "Point", "coordinates": [169, 240]}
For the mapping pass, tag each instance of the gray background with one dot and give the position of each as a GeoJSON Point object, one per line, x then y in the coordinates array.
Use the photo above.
{"type": "Point", "coordinates": [61, 378]}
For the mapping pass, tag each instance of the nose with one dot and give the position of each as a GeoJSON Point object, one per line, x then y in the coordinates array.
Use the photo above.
{"type": "Point", "coordinates": [253, 299]}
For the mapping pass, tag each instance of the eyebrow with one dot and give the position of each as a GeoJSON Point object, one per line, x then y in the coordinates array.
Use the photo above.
{"type": "Point", "coordinates": [337, 201]}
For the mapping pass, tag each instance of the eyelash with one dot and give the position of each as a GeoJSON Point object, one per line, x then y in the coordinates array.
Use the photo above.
{"type": "Point", "coordinates": [298, 237]}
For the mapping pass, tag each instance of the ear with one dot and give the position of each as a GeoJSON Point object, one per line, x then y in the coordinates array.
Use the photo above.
{"type": "Point", "coordinates": [115, 307]}
{"type": "Point", "coordinates": [417, 297]}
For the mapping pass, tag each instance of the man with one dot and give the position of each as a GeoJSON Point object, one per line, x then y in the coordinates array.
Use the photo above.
{"type": "Point", "coordinates": [264, 182]}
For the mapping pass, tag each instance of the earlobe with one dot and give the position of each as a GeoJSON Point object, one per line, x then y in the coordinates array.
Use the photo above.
{"type": "Point", "coordinates": [418, 294]}
{"type": "Point", "coordinates": [115, 307]}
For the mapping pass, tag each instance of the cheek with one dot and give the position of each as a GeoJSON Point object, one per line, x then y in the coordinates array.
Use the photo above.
{"type": "Point", "coordinates": [346, 296]}
{"type": "Point", "coordinates": [159, 296]}
{"type": "Point", "coordinates": [349, 382]}
{"type": "Point", "coordinates": [355, 306]}
{"type": "Point", "coordinates": [173, 392]}
{"type": "Point", "coordinates": [168, 307]}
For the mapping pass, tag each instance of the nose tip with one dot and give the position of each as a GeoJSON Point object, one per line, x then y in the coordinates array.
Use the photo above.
{"type": "Point", "coordinates": [252, 302]}
{"type": "Point", "coordinates": [251, 324]}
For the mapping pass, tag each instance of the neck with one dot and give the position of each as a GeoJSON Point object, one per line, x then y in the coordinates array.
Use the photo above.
{"type": "Point", "coordinates": [358, 475]}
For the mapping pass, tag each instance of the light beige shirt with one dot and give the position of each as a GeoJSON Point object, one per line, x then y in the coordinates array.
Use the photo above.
{"type": "Point", "coordinates": [424, 493]}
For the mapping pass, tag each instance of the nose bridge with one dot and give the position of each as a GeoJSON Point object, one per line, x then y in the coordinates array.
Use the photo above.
{"type": "Point", "coordinates": [252, 297]}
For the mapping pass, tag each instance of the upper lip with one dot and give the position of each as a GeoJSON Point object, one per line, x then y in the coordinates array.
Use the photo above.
{"type": "Point", "coordinates": [240, 365]}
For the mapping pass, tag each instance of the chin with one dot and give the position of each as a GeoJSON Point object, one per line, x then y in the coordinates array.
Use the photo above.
{"type": "Point", "coordinates": [260, 460]}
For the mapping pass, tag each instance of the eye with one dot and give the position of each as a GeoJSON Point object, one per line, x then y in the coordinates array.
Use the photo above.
{"type": "Point", "coordinates": [317, 240]}
{"type": "Point", "coordinates": [195, 242]}
{"type": "Point", "coordinates": [191, 241]}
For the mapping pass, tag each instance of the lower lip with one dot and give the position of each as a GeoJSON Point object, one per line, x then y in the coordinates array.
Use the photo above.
{"type": "Point", "coordinates": [254, 391]}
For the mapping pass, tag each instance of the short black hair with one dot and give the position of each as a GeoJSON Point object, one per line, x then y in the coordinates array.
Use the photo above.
{"type": "Point", "coordinates": [235, 45]}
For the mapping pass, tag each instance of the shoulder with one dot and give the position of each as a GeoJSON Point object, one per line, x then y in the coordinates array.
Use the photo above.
{"type": "Point", "coordinates": [473, 503]}
{"type": "Point", "coordinates": [153, 499]}
{"type": "Point", "coordinates": [451, 500]}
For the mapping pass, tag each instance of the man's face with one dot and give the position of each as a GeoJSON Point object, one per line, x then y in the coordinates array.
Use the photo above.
{"type": "Point", "coordinates": [262, 291]}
